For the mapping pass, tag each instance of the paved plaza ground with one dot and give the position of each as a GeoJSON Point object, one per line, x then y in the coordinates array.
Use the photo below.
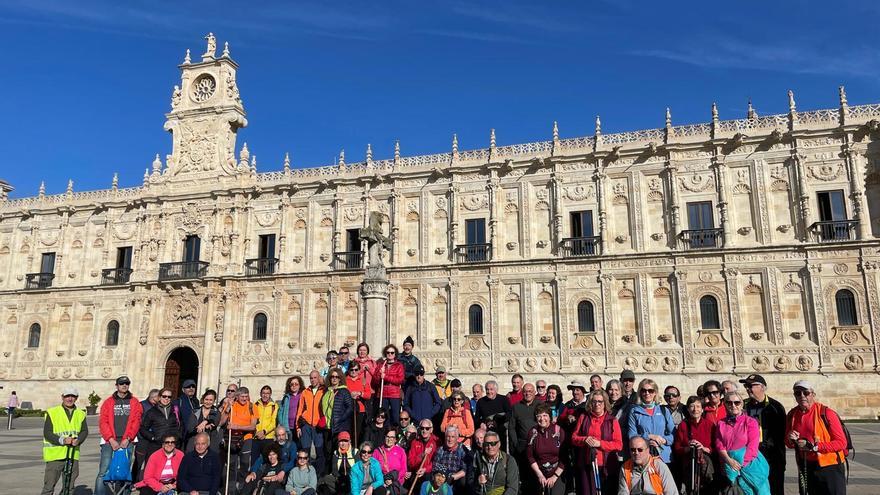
{"type": "Point", "coordinates": [21, 465]}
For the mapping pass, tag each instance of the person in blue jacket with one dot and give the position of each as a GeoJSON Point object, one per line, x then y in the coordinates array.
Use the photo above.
{"type": "Point", "coordinates": [367, 465]}
{"type": "Point", "coordinates": [650, 421]}
{"type": "Point", "coordinates": [421, 400]}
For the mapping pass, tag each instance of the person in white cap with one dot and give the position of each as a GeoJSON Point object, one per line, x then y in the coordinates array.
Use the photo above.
{"type": "Point", "coordinates": [815, 432]}
{"type": "Point", "coordinates": [64, 431]}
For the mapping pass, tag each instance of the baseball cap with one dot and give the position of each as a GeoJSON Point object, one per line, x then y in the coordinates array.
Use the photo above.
{"type": "Point", "coordinates": [455, 383]}
{"type": "Point", "coordinates": [627, 375]}
{"type": "Point", "coordinates": [420, 370]}
{"type": "Point", "coordinates": [754, 379]}
{"type": "Point", "coordinates": [343, 435]}
{"type": "Point", "coordinates": [188, 383]}
{"type": "Point", "coordinates": [123, 380]}
{"type": "Point", "coordinates": [802, 384]}
{"type": "Point", "coordinates": [70, 391]}
{"type": "Point", "coordinates": [441, 369]}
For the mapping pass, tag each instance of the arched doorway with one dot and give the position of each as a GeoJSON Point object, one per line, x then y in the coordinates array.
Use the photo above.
{"type": "Point", "coordinates": [182, 365]}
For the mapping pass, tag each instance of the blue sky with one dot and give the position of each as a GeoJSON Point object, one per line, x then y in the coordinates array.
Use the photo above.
{"type": "Point", "coordinates": [86, 84]}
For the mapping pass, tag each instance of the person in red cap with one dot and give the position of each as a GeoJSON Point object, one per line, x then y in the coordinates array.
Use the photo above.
{"type": "Point", "coordinates": [341, 462]}
{"type": "Point", "coordinates": [770, 415]}
{"type": "Point", "coordinates": [815, 432]}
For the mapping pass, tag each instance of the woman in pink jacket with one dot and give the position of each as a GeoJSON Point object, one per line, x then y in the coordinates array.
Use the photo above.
{"type": "Point", "coordinates": [160, 475]}
{"type": "Point", "coordinates": [391, 456]}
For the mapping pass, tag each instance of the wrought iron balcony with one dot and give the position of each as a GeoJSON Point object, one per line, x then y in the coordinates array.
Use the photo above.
{"type": "Point", "coordinates": [702, 238]}
{"type": "Point", "coordinates": [181, 270]}
{"type": "Point", "coordinates": [473, 253]}
{"type": "Point", "coordinates": [115, 276]}
{"type": "Point", "coordinates": [834, 231]}
{"type": "Point", "coordinates": [260, 266]}
{"type": "Point", "coordinates": [348, 260]}
{"type": "Point", "coordinates": [574, 247]}
{"type": "Point", "coordinates": [35, 281]}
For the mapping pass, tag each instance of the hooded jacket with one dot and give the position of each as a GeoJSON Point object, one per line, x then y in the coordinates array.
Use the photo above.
{"type": "Point", "coordinates": [422, 401]}
{"type": "Point", "coordinates": [106, 423]}
{"type": "Point", "coordinates": [642, 424]}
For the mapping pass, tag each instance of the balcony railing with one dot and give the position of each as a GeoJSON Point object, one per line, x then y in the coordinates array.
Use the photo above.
{"type": "Point", "coordinates": [182, 270]}
{"type": "Point", "coordinates": [38, 280]}
{"type": "Point", "coordinates": [115, 276]}
{"type": "Point", "coordinates": [702, 238]}
{"type": "Point", "coordinates": [348, 260]}
{"type": "Point", "coordinates": [260, 266]}
{"type": "Point", "coordinates": [573, 247]}
{"type": "Point", "coordinates": [473, 253]}
{"type": "Point", "coordinates": [834, 231]}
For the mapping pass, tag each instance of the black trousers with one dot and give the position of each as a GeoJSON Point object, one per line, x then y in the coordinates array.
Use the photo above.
{"type": "Point", "coordinates": [776, 461]}
{"type": "Point", "coordinates": [828, 480]}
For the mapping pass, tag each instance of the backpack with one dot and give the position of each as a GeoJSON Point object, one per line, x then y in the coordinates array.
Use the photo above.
{"type": "Point", "coordinates": [850, 448]}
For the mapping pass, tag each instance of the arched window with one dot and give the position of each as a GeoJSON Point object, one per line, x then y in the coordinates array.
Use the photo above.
{"type": "Point", "coordinates": [586, 317]}
{"type": "Point", "coordinates": [846, 308]}
{"type": "Point", "coordinates": [475, 319]}
{"type": "Point", "coordinates": [34, 335]}
{"type": "Point", "coordinates": [260, 325]}
{"type": "Point", "coordinates": [112, 333]}
{"type": "Point", "coordinates": [709, 313]}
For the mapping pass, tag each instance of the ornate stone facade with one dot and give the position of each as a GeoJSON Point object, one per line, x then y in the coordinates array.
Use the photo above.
{"type": "Point", "coordinates": [552, 296]}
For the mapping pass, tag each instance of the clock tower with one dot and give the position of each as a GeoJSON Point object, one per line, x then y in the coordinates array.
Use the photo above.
{"type": "Point", "coordinates": [206, 113]}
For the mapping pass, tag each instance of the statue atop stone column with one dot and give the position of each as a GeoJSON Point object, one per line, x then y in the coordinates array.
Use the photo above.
{"type": "Point", "coordinates": [375, 286]}
{"type": "Point", "coordinates": [376, 241]}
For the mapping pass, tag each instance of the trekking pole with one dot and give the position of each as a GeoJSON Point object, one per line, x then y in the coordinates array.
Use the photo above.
{"type": "Point", "coordinates": [382, 386]}
{"type": "Point", "coordinates": [597, 480]}
{"type": "Point", "coordinates": [421, 466]}
{"type": "Point", "coordinates": [802, 471]}
{"type": "Point", "coordinates": [355, 422]}
{"type": "Point", "coordinates": [67, 472]}
{"type": "Point", "coordinates": [228, 457]}
{"type": "Point", "coordinates": [693, 480]}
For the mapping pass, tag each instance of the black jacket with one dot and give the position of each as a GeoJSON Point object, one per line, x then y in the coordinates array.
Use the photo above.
{"type": "Point", "coordinates": [158, 422]}
{"type": "Point", "coordinates": [200, 474]}
{"type": "Point", "coordinates": [770, 415]}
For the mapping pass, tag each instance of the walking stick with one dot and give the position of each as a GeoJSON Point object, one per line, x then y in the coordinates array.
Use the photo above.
{"type": "Point", "coordinates": [357, 406]}
{"type": "Point", "coordinates": [382, 385]}
{"type": "Point", "coordinates": [421, 466]}
{"type": "Point", "coordinates": [802, 472]}
{"type": "Point", "coordinates": [597, 480]}
{"type": "Point", "coordinates": [228, 457]}
{"type": "Point", "coordinates": [695, 471]}
{"type": "Point", "coordinates": [67, 472]}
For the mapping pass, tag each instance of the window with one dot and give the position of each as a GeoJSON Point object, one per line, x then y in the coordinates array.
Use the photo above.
{"type": "Point", "coordinates": [475, 320]}
{"type": "Point", "coordinates": [582, 224]}
{"type": "Point", "coordinates": [123, 257]}
{"type": "Point", "coordinates": [846, 308]}
{"type": "Point", "coordinates": [709, 313]}
{"type": "Point", "coordinates": [701, 224]}
{"type": "Point", "coordinates": [113, 333]}
{"type": "Point", "coordinates": [586, 317]}
{"type": "Point", "coordinates": [475, 231]}
{"type": "Point", "coordinates": [260, 325]}
{"type": "Point", "coordinates": [191, 247]}
{"type": "Point", "coordinates": [353, 240]}
{"type": "Point", "coordinates": [47, 263]}
{"type": "Point", "coordinates": [34, 335]}
{"type": "Point", "coordinates": [267, 246]}
{"type": "Point", "coordinates": [832, 206]}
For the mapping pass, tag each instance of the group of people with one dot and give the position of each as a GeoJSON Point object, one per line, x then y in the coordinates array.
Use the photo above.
{"type": "Point", "coordinates": [376, 426]}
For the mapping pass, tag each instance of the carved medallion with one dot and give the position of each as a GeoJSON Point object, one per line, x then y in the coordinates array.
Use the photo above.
{"type": "Point", "coordinates": [714, 363]}
{"type": "Point", "coordinates": [782, 363]}
{"type": "Point", "coordinates": [588, 364]}
{"type": "Point", "coordinates": [853, 362]}
{"type": "Point", "coordinates": [670, 364]}
{"type": "Point", "coordinates": [184, 315]}
{"type": "Point", "coordinates": [760, 363]}
{"type": "Point", "coordinates": [578, 192]}
{"type": "Point", "coordinates": [804, 363]}
{"type": "Point", "coordinates": [651, 363]}
{"type": "Point", "coordinates": [474, 202]}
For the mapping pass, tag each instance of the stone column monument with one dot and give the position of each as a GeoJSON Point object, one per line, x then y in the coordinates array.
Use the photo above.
{"type": "Point", "coordinates": [374, 288]}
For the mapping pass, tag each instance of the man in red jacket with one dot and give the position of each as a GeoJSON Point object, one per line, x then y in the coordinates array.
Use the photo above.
{"type": "Point", "coordinates": [118, 422]}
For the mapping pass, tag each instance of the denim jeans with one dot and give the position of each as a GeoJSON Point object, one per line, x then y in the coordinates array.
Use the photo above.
{"type": "Point", "coordinates": [104, 466]}
{"type": "Point", "coordinates": [311, 436]}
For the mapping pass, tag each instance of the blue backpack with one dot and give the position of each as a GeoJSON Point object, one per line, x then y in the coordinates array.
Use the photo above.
{"type": "Point", "coordinates": [120, 467]}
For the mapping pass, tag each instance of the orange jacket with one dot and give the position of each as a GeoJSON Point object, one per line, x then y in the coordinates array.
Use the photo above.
{"type": "Point", "coordinates": [653, 475]}
{"type": "Point", "coordinates": [309, 408]}
{"type": "Point", "coordinates": [463, 420]}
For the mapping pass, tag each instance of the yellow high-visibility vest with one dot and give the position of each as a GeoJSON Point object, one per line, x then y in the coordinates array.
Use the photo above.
{"type": "Point", "coordinates": [63, 427]}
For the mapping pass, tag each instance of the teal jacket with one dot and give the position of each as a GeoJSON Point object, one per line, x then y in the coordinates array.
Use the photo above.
{"type": "Point", "coordinates": [357, 475]}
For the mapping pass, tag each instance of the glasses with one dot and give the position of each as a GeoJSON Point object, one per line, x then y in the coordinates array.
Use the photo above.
{"type": "Point", "coordinates": [541, 387]}
{"type": "Point", "coordinates": [354, 369]}
{"type": "Point", "coordinates": [124, 383]}
{"type": "Point", "coordinates": [165, 396]}
{"type": "Point", "coordinates": [366, 451]}
{"type": "Point", "coordinates": [802, 393]}
{"type": "Point", "coordinates": [335, 377]}
{"type": "Point", "coordinates": [492, 444]}
{"type": "Point", "coordinates": [597, 401]}
{"type": "Point", "coordinates": [670, 396]}
{"type": "Point", "coordinates": [343, 353]}
{"type": "Point", "coordinates": [168, 442]}
{"type": "Point", "coordinates": [230, 390]}
{"type": "Point", "coordinates": [458, 399]}
{"type": "Point", "coordinates": [713, 392]}
{"type": "Point", "coordinates": [403, 419]}
{"type": "Point", "coordinates": [70, 395]}
{"type": "Point", "coordinates": [426, 428]}
{"type": "Point", "coordinates": [733, 402]}
{"type": "Point", "coordinates": [647, 391]}
{"type": "Point", "coordinates": [638, 449]}
{"type": "Point", "coordinates": [302, 458]}
{"type": "Point", "coordinates": [390, 437]}
{"type": "Point", "coordinates": [390, 353]}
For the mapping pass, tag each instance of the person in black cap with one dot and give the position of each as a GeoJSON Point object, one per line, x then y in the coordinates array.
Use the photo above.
{"type": "Point", "coordinates": [187, 403]}
{"type": "Point", "coordinates": [770, 416]}
{"type": "Point", "coordinates": [409, 362]}
{"type": "Point", "coordinates": [628, 382]}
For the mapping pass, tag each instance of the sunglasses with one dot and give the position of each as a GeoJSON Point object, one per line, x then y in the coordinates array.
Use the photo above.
{"type": "Point", "coordinates": [402, 419]}
{"type": "Point", "coordinates": [637, 449]}
{"type": "Point", "coordinates": [597, 401]}
{"type": "Point", "coordinates": [354, 369]}
{"type": "Point", "coordinates": [165, 396]}
{"type": "Point", "coordinates": [124, 383]}
{"type": "Point", "coordinates": [336, 377]}
{"type": "Point", "coordinates": [70, 395]}
{"type": "Point", "coordinates": [426, 428]}
{"type": "Point", "coordinates": [391, 438]}
{"type": "Point", "coordinates": [670, 396]}
{"type": "Point", "coordinates": [713, 392]}
{"type": "Point", "coordinates": [343, 353]}
{"type": "Point", "coordinates": [647, 391]}
{"type": "Point", "coordinates": [343, 440]}
{"type": "Point", "coordinates": [540, 387]}
{"type": "Point", "coordinates": [492, 444]}
{"type": "Point", "coordinates": [390, 353]}
{"type": "Point", "coordinates": [168, 442]}
{"type": "Point", "coordinates": [733, 402]}
{"type": "Point", "coordinates": [458, 399]}
{"type": "Point", "coordinates": [802, 393]}
{"type": "Point", "coordinates": [230, 391]}
{"type": "Point", "coordinates": [366, 451]}
{"type": "Point", "coordinates": [299, 458]}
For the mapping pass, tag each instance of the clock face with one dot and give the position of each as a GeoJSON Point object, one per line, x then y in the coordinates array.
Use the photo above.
{"type": "Point", "coordinates": [203, 88]}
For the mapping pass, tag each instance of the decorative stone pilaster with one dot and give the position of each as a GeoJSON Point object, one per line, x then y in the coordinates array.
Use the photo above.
{"type": "Point", "coordinates": [673, 204]}
{"type": "Point", "coordinates": [556, 194]}
{"type": "Point", "coordinates": [720, 169]}
{"type": "Point", "coordinates": [492, 189]}
{"type": "Point", "coordinates": [637, 232]}
{"type": "Point", "coordinates": [395, 229]}
{"type": "Point", "coordinates": [870, 269]}
{"type": "Point", "coordinates": [563, 321]}
{"type": "Point", "coordinates": [771, 295]}
{"type": "Point", "coordinates": [803, 194]}
{"type": "Point", "coordinates": [601, 178]}
{"type": "Point", "coordinates": [606, 282]}
{"type": "Point", "coordinates": [494, 320]}
{"type": "Point", "coordinates": [453, 220]}
{"type": "Point", "coordinates": [731, 276]}
{"type": "Point", "coordinates": [853, 162]}
{"type": "Point", "coordinates": [682, 305]}
{"type": "Point", "coordinates": [759, 170]}
{"type": "Point", "coordinates": [645, 310]}
{"type": "Point", "coordinates": [820, 318]}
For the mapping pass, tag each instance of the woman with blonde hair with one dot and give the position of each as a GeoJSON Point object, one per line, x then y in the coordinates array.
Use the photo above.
{"type": "Point", "coordinates": [597, 439]}
{"type": "Point", "coordinates": [460, 416]}
{"type": "Point", "coordinates": [651, 422]}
